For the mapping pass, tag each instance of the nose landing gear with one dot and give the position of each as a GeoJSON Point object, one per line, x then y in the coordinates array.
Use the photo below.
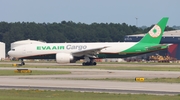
{"type": "Point", "coordinates": [22, 62]}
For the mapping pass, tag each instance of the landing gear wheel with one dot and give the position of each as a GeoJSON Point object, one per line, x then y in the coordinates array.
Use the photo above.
{"type": "Point", "coordinates": [22, 62]}
{"type": "Point", "coordinates": [94, 63]}
{"type": "Point", "coordinates": [89, 63]}
{"type": "Point", "coordinates": [83, 63]}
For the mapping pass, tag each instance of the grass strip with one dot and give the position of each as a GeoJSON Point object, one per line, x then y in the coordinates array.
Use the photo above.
{"type": "Point", "coordinates": [34, 72]}
{"type": "Point", "coordinates": [68, 95]}
{"type": "Point", "coordinates": [124, 66]}
{"type": "Point", "coordinates": [159, 80]}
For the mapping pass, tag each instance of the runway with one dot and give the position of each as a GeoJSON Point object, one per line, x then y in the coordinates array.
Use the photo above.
{"type": "Point", "coordinates": [89, 85]}
{"type": "Point", "coordinates": [69, 81]}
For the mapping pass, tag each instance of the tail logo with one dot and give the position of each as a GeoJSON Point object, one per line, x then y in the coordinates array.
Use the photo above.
{"type": "Point", "coordinates": [155, 31]}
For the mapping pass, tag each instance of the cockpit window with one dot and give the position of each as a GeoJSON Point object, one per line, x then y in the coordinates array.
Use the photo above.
{"type": "Point", "coordinates": [13, 49]}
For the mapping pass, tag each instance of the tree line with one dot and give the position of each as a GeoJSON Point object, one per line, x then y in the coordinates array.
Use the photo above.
{"type": "Point", "coordinates": [67, 31]}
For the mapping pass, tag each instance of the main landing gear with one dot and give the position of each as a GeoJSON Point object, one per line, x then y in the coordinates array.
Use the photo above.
{"type": "Point", "coordinates": [21, 64]}
{"type": "Point", "coordinates": [89, 62]}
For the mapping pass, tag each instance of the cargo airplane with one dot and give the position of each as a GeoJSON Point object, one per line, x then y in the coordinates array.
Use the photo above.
{"type": "Point", "coordinates": [72, 52]}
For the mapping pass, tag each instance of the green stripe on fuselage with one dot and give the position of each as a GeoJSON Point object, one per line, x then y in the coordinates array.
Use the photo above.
{"type": "Point", "coordinates": [134, 52]}
{"type": "Point", "coordinates": [143, 48]}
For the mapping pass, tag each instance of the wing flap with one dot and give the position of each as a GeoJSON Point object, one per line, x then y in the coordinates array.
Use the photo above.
{"type": "Point", "coordinates": [89, 52]}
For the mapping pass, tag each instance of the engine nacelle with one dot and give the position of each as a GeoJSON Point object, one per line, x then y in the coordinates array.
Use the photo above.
{"type": "Point", "coordinates": [64, 58]}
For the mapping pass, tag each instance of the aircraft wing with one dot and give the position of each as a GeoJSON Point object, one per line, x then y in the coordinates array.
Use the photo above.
{"type": "Point", "coordinates": [89, 52]}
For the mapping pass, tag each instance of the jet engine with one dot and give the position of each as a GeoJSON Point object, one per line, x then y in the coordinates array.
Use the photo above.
{"type": "Point", "coordinates": [64, 58]}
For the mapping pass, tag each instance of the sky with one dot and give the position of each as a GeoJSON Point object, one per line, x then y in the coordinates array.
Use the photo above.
{"type": "Point", "coordinates": [131, 12]}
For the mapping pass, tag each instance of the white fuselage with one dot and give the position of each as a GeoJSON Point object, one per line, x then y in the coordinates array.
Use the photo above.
{"type": "Point", "coordinates": [51, 48]}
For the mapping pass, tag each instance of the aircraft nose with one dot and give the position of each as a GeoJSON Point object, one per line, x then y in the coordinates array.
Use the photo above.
{"type": "Point", "coordinates": [10, 53]}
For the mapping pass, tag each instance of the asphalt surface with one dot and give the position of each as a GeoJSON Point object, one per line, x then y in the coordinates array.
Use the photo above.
{"type": "Point", "coordinates": [69, 82]}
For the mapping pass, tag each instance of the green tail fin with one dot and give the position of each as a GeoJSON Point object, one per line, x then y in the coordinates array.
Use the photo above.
{"type": "Point", "coordinates": [155, 34]}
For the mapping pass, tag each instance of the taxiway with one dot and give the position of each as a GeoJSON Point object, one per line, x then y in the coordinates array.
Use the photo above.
{"type": "Point", "coordinates": [69, 81]}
